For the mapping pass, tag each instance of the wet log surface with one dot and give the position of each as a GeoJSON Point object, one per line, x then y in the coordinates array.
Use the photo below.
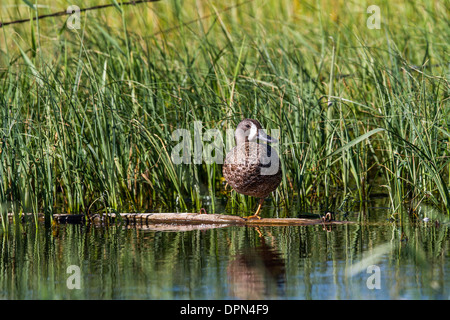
{"type": "Point", "coordinates": [162, 221]}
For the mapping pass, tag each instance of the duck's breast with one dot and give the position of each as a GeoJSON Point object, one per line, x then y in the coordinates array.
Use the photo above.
{"type": "Point", "coordinates": [252, 169]}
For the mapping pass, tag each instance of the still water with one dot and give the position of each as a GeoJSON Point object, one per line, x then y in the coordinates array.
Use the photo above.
{"type": "Point", "coordinates": [308, 262]}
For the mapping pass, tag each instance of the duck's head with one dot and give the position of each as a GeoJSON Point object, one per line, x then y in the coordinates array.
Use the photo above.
{"type": "Point", "coordinates": [250, 130]}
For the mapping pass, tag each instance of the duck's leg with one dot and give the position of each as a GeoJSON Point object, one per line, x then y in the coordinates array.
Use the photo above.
{"type": "Point", "coordinates": [256, 215]}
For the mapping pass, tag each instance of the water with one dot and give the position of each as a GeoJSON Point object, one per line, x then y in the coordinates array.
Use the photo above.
{"type": "Point", "coordinates": [118, 262]}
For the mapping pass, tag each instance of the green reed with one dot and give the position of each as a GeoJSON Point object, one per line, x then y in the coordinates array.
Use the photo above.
{"type": "Point", "coordinates": [87, 115]}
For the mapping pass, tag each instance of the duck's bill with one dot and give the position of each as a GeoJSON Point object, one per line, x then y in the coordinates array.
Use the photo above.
{"type": "Point", "coordinates": [264, 137]}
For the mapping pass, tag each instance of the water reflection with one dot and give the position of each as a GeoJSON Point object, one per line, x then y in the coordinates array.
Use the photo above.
{"type": "Point", "coordinates": [305, 262]}
{"type": "Point", "coordinates": [257, 272]}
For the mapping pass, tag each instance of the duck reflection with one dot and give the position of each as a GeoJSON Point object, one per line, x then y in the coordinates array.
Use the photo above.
{"type": "Point", "coordinates": [257, 272]}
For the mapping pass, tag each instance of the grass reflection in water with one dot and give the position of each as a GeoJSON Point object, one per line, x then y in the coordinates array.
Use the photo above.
{"type": "Point", "coordinates": [228, 263]}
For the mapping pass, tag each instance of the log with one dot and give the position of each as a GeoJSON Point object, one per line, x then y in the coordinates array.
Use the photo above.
{"type": "Point", "coordinates": [220, 220]}
{"type": "Point", "coordinates": [168, 220]}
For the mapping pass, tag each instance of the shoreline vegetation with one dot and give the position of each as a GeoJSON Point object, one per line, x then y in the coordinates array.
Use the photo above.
{"type": "Point", "coordinates": [87, 115]}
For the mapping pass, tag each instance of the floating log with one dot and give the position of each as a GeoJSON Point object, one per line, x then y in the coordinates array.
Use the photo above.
{"type": "Point", "coordinates": [169, 220]}
{"type": "Point", "coordinates": [191, 219]}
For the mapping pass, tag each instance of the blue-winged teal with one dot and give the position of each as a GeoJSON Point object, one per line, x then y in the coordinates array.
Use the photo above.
{"type": "Point", "coordinates": [252, 168]}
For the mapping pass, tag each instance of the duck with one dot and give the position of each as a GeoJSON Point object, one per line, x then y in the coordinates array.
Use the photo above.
{"type": "Point", "coordinates": [252, 168]}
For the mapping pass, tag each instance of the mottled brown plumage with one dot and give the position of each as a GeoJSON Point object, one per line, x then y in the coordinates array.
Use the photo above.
{"type": "Point", "coordinates": [252, 168]}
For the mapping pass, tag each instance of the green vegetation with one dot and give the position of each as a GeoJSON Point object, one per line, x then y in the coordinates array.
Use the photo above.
{"type": "Point", "coordinates": [87, 116]}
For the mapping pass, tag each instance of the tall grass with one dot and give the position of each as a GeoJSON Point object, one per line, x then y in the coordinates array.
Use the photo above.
{"type": "Point", "coordinates": [87, 115]}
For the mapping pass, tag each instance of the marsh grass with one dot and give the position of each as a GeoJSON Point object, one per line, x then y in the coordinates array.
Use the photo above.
{"type": "Point", "coordinates": [87, 115]}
